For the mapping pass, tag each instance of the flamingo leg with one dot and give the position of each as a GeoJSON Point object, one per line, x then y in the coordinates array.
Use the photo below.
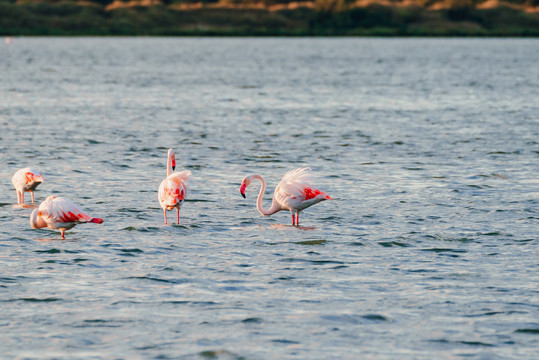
{"type": "Point", "coordinates": [22, 197]}
{"type": "Point", "coordinates": [18, 197]}
{"type": "Point", "coordinates": [62, 230]}
{"type": "Point", "coordinates": [31, 192]}
{"type": "Point", "coordinates": [297, 218]}
{"type": "Point", "coordinates": [165, 211]}
{"type": "Point", "coordinates": [178, 216]}
{"type": "Point", "coordinates": [293, 220]}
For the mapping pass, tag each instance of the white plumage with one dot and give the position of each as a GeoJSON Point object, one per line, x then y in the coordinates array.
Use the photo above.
{"type": "Point", "coordinates": [294, 193]}
{"type": "Point", "coordinates": [26, 180]}
{"type": "Point", "coordinates": [59, 213]}
{"type": "Point", "coordinates": [174, 189]}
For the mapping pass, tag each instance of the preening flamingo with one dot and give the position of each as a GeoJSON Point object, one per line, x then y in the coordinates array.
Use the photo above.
{"type": "Point", "coordinates": [26, 180]}
{"type": "Point", "coordinates": [174, 189]}
{"type": "Point", "coordinates": [59, 214]}
{"type": "Point", "coordinates": [293, 193]}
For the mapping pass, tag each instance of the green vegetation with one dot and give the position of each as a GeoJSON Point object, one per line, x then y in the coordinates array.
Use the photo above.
{"type": "Point", "coordinates": [269, 17]}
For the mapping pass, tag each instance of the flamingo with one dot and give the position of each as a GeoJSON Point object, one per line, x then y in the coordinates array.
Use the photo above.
{"type": "Point", "coordinates": [59, 213]}
{"type": "Point", "coordinates": [293, 193]}
{"type": "Point", "coordinates": [174, 188]}
{"type": "Point", "coordinates": [26, 180]}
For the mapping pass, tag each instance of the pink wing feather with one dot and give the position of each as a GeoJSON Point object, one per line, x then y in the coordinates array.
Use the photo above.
{"type": "Point", "coordinates": [295, 182]}
{"type": "Point", "coordinates": [295, 189]}
{"type": "Point", "coordinates": [62, 210]}
{"type": "Point", "coordinates": [174, 189]}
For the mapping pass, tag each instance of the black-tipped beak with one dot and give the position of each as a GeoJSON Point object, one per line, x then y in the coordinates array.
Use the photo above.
{"type": "Point", "coordinates": [173, 167]}
{"type": "Point", "coordinates": [242, 194]}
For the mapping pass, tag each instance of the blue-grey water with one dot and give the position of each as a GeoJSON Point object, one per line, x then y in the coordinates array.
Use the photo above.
{"type": "Point", "coordinates": [430, 148]}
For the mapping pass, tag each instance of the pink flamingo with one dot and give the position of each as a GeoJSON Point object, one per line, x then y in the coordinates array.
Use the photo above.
{"type": "Point", "coordinates": [293, 193]}
{"type": "Point", "coordinates": [26, 180]}
{"type": "Point", "coordinates": [59, 213]}
{"type": "Point", "coordinates": [174, 189]}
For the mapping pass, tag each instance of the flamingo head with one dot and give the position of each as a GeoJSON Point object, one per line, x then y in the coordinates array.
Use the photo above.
{"type": "Point", "coordinates": [245, 182]}
{"type": "Point", "coordinates": [39, 178]}
{"type": "Point", "coordinates": [172, 157]}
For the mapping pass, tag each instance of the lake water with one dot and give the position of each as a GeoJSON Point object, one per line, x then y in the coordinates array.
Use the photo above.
{"type": "Point", "coordinates": [430, 148]}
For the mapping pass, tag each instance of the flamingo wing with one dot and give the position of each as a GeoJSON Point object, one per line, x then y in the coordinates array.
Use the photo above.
{"type": "Point", "coordinates": [26, 179]}
{"type": "Point", "coordinates": [293, 184]}
{"type": "Point", "coordinates": [60, 210]}
{"type": "Point", "coordinates": [294, 180]}
{"type": "Point", "coordinates": [174, 189]}
{"type": "Point", "coordinates": [295, 192]}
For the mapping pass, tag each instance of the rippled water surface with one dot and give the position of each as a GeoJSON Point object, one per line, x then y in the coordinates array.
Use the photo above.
{"type": "Point", "coordinates": [428, 146]}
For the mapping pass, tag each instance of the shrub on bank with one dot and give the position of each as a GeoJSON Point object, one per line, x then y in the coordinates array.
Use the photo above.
{"type": "Point", "coordinates": [69, 18]}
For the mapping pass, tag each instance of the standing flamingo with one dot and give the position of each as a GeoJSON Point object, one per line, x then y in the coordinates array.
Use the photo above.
{"type": "Point", "coordinates": [174, 189]}
{"type": "Point", "coordinates": [26, 180]}
{"type": "Point", "coordinates": [59, 213]}
{"type": "Point", "coordinates": [293, 193]}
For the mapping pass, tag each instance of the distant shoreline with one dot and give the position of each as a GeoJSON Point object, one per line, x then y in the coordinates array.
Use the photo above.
{"type": "Point", "coordinates": [381, 18]}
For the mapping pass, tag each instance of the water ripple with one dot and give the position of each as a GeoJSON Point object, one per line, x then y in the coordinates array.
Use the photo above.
{"type": "Point", "coordinates": [428, 146]}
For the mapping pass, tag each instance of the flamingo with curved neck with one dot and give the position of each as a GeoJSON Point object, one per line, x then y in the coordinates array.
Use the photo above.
{"type": "Point", "coordinates": [60, 213]}
{"type": "Point", "coordinates": [293, 193]}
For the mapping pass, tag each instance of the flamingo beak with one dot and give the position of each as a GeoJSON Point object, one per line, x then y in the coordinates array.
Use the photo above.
{"type": "Point", "coordinates": [173, 162]}
{"type": "Point", "coordinates": [242, 189]}
{"type": "Point", "coordinates": [39, 178]}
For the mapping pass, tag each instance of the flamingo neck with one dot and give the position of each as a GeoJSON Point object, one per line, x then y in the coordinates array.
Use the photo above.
{"type": "Point", "coordinates": [169, 163]}
{"type": "Point", "coordinates": [274, 205]}
{"type": "Point", "coordinates": [36, 221]}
